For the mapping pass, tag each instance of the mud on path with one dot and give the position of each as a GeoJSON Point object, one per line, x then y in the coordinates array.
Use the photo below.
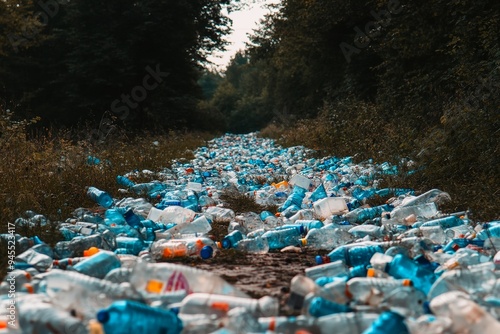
{"type": "Point", "coordinates": [259, 275]}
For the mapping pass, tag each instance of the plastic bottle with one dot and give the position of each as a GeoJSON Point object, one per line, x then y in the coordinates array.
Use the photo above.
{"type": "Point", "coordinates": [403, 267]}
{"type": "Point", "coordinates": [129, 317]}
{"type": "Point", "coordinates": [257, 245]}
{"type": "Point", "coordinates": [330, 206]}
{"type": "Point", "coordinates": [388, 323]}
{"type": "Point", "coordinates": [346, 323]}
{"type": "Point", "coordinates": [100, 197]}
{"type": "Point", "coordinates": [219, 305]}
{"type": "Point", "coordinates": [98, 265]}
{"type": "Point", "coordinates": [131, 245]}
{"type": "Point", "coordinates": [132, 219]}
{"type": "Point", "coordinates": [423, 211]}
{"type": "Point", "coordinates": [124, 181]}
{"type": "Point", "coordinates": [328, 269]}
{"type": "Point", "coordinates": [318, 307]}
{"type": "Point", "coordinates": [288, 325]}
{"type": "Point", "coordinates": [326, 238]}
{"type": "Point", "coordinates": [278, 239]}
{"type": "Point", "coordinates": [230, 240]}
{"type": "Point", "coordinates": [489, 232]}
{"type": "Point", "coordinates": [294, 199]}
{"type": "Point", "coordinates": [76, 247]}
{"type": "Point", "coordinates": [466, 316]}
{"type": "Point", "coordinates": [32, 258]}
{"type": "Point", "coordinates": [39, 317]}
{"type": "Point", "coordinates": [362, 288]}
{"type": "Point", "coordinates": [162, 250]}
{"type": "Point", "coordinates": [360, 215]}
{"type": "Point", "coordinates": [446, 222]}
{"type": "Point", "coordinates": [352, 255]}
{"type": "Point", "coordinates": [84, 294]}
{"type": "Point", "coordinates": [362, 231]}
{"type": "Point", "coordinates": [152, 279]}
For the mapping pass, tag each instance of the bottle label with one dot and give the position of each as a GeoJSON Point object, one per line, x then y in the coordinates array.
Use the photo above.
{"type": "Point", "coordinates": [177, 281]}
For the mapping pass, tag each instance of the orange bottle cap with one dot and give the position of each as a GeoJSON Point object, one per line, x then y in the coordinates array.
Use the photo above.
{"type": "Point", "coordinates": [91, 251]}
{"type": "Point", "coordinates": [3, 324]}
{"type": "Point", "coordinates": [370, 272]}
{"type": "Point", "coordinates": [221, 306]}
{"type": "Point", "coordinates": [407, 282]}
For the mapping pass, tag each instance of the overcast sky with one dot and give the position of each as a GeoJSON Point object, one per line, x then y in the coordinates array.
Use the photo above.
{"type": "Point", "coordinates": [243, 23]}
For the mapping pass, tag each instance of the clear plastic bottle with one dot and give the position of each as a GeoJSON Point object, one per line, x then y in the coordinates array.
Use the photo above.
{"type": "Point", "coordinates": [84, 294]}
{"type": "Point", "coordinates": [151, 279]}
{"type": "Point", "coordinates": [98, 265]}
{"type": "Point", "coordinates": [169, 249]}
{"type": "Point", "coordinates": [360, 215]}
{"type": "Point", "coordinates": [129, 317]}
{"type": "Point", "coordinates": [278, 239]}
{"type": "Point", "coordinates": [446, 222]}
{"type": "Point", "coordinates": [219, 305]}
{"type": "Point", "coordinates": [100, 197]}
{"type": "Point", "coordinates": [424, 211]}
{"type": "Point", "coordinates": [257, 245]}
{"type": "Point", "coordinates": [39, 317]}
{"type": "Point", "coordinates": [362, 288]}
{"type": "Point", "coordinates": [328, 269]}
{"type": "Point", "coordinates": [466, 316]}
{"type": "Point", "coordinates": [32, 258]}
{"type": "Point", "coordinates": [326, 238]}
{"type": "Point", "coordinates": [76, 247]}
{"type": "Point", "coordinates": [362, 231]}
{"type": "Point", "coordinates": [288, 325]}
{"type": "Point", "coordinates": [346, 323]}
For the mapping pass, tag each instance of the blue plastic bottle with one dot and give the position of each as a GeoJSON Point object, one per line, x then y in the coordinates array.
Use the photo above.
{"type": "Point", "coordinates": [124, 181]}
{"type": "Point", "coordinates": [489, 232]}
{"type": "Point", "coordinates": [447, 222]}
{"type": "Point", "coordinates": [278, 239]}
{"type": "Point", "coordinates": [360, 215]}
{"type": "Point", "coordinates": [295, 198]}
{"type": "Point", "coordinates": [352, 256]}
{"type": "Point", "coordinates": [357, 271]}
{"type": "Point", "coordinates": [129, 317]}
{"type": "Point", "coordinates": [319, 307]}
{"type": "Point", "coordinates": [132, 219]}
{"type": "Point", "coordinates": [403, 267]}
{"type": "Point", "coordinates": [231, 239]}
{"type": "Point", "coordinates": [99, 264]}
{"type": "Point", "coordinates": [132, 245]}
{"type": "Point", "coordinates": [388, 323]}
{"type": "Point", "coordinates": [100, 197]}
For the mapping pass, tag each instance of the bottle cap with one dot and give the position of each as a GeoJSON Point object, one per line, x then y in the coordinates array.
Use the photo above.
{"type": "Point", "coordinates": [319, 259]}
{"type": "Point", "coordinates": [370, 272]}
{"type": "Point", "coordinates": [103, 316]}
{"type": "Point", "coordinates": [91, 251]}
{"type": "Point", "coordinates": [206, 252]}
{"type": "Point", "coordinates": [407, 282]}
{"type": "Point", "coordinates": [303, 241]}
{"type": "Point", "coordinates": [218, 244]}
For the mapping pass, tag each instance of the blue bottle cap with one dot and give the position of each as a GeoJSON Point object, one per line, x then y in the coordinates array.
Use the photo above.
{"type": "Point", "coordinates": [319, 259]}
{"type": "Point", "coordinates": [206, 252]}
{"type": "Point", "coordinates": [103, 316]}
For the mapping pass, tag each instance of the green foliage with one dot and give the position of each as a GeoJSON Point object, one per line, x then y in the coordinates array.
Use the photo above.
{"type": "Point", "coordinates": [88, 55]}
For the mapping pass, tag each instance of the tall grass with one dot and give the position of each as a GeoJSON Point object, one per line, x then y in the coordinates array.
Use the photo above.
{"type": "Point", "coordinates": [49, 174]}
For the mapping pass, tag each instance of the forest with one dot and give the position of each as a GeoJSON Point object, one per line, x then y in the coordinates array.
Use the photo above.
{"type": "Point", "coordinates": [382, 79]}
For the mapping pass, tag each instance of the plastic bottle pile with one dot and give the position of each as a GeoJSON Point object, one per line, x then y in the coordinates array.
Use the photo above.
{"type": "Point", "coordinates": [401, 267]}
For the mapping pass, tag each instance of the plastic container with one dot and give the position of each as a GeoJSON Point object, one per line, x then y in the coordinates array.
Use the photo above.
{"type": "Point", "coordinates": [388, 323]}
{"type": "Point", "coordinates": [327, 269]}
{"type": "Point", "coordinates": [352, 255]}
{"type": "Point", "coordinates": [230, 240]}
{"type": "Point", "coordinates": [98, 265]}
{"type": "Point", "coordinates": [219, 305]}
{"type": "Point", "coordinates": [329, 206]}
{"type": "Point", "coordinates": [278, 239]}
{"type": "Point", "coordinates": [257, 245]}
{"type": "Point", "coordinates": [169, 249]}
{"type": "Point", "coordinates": [403, 267]}
{"type": "Point", "coordinates": [100, 197]}
{"type": "Point", "coordinates": [128, 317]}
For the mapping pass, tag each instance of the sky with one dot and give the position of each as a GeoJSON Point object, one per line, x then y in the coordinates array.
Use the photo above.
{"type": "Point", "coordinates": [244, 22]}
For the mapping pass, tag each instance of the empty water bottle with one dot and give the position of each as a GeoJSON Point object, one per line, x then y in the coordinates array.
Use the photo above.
{"type": "Point", "coordinates": [169, 249]}
{"type": "Point", "coordinates": [256, 245]}
{"type": "Point", "coordinates": [319, 307]}
{"type": "Point", "coordinates": [230, 240]}
{"type": "Point", "coordinates": [219, 305]}
{"type": "Point", "coordinates": [388, 323]}
{"type": "Point", "coordinates": [98, 265]}
{"type": "Point", "coordinates": [100, 197]}
{"type": "Point", "coordinates": [129, 317]}
{"type": "Point", "coordinates": [124, 181]}
{"type": "Point", "coordinates": [278, 239]}
{"type": "Point", "coordinates": [326, 238]}
{"type": "Point", "coordinates": [352, 255]}
{"type": "Point", "coordinates": [403, 267]}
